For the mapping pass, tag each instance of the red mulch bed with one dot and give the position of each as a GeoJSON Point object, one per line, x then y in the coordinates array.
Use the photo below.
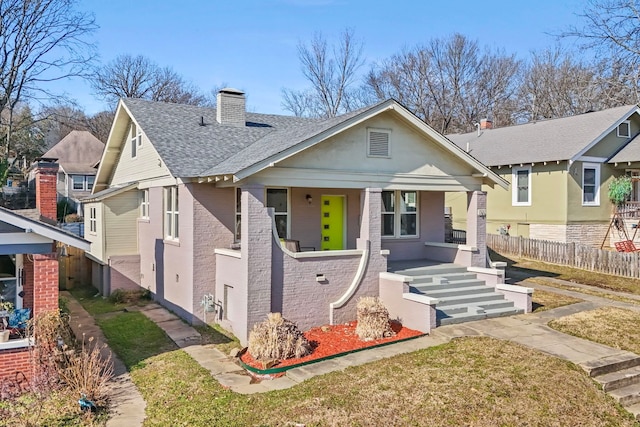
{"type": "Point", "coordinates": [331, 340]}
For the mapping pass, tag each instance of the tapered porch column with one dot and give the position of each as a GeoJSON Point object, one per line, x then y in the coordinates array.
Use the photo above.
{"type": "Point", "coordinates": [256, 249]}
{"type": "Point", "coordinates": [477, 226]}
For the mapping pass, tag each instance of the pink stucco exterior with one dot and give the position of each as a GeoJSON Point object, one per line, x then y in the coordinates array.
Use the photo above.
{"type": "Point", "coordinates": [124, 272]}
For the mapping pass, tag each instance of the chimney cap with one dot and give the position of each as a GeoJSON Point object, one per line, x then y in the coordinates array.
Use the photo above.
{"type": "Point", "coordinates": [231, 91]}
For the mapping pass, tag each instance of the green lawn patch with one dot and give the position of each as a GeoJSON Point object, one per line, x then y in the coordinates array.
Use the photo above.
{"type": "Point", "coordinates": [470, 381]}
{"type": "Point", "coordinates": [93, 302]}
{"type": "Point", "coordinates": [134, 337]}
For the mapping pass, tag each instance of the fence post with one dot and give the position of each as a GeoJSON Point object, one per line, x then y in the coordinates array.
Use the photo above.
{"type": "Point", "coordinates": [520, 242]}
{"type": "Point", "coordinates": [572, 253]}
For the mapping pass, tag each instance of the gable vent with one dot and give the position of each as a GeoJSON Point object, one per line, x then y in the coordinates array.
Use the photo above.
{"type": "Point", "coordinates": [378, 144]}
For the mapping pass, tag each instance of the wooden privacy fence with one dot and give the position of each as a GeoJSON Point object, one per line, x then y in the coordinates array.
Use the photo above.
{"type": "Point", "coordinates": [74, 267]}
{"type": "Point", "coordinates": [570, 254]}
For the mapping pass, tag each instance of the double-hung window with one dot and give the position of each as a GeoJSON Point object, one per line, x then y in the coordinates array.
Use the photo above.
{"type": "Point", "coordinates": [278, 199]}
{"type": "Point", "coordinates": [144, 203]}
{"type": "Point", "coordinates": [590, 184]}
{"type": "Point", "coordinates": [238, 234]}
{"type": "Point", "coordinates": [171, 223]}
{"type": "Point", "coordinates": [399, 213]}
{"type": "Point", "coordinates": [82, 182]}
{"type": "Point", "coordinates": [521, 186]}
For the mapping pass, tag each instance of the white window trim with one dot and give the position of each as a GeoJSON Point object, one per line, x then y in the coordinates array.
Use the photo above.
{"type": "Point", "coordinates": [388, 132]}
{"type": "Point", "coordinates": [144, 203]}
{"type": "Point", "coordinates": [397, 216]}
{"type": "Point", "coordinates": [596, 201]}
{"type": "Point", "coordinates": [514, 187]}
{"type": "Point", "coordinates": [628, 123]}
{"type": "Point", "coordinates": [174, 236]}
{"type": "Point", "coordinates": [85, 182]}
{"type": "Point", "coordinates": [93, 220]}
{"type": "Point", "coordinates": [288, 214]}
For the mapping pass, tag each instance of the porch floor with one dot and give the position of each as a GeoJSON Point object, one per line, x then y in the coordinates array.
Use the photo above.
{"type": "Point", "coordinates": [462, 296]}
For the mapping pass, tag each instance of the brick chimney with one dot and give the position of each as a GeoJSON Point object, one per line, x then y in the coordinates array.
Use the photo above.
{"type": "Point", "coordinates": [46, 192]}
{"type": "Point", "coordinates": [486, 124]}
{"type": "Point", "coordinates": [231, 108]}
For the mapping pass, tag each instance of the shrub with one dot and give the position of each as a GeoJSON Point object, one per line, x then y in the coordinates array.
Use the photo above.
{"type": "Point", "coordinates": [73, 218]}
{"type": "Point", "coordinates": [277, 338]}
{"type": "Point", "coordinates": [121, 296]}
{"type": "Point", "coordinates": [620, 189]}
{"type": "Point", "coordinates": [373, 319]}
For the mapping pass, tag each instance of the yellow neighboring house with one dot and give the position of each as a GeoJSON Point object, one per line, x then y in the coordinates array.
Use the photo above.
{"type": "Point", "coordinates": [559, 171]}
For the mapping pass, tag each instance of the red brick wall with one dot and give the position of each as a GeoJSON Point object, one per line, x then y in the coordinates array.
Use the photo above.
{"type": "Point", "coordinates": [27, 300]}
{"type": "Point", "coordinates": [15, 361]}
{"type": "Point", "coordinates": [45, 287]}
{"type": "Point", "coordinates": [46, 192]}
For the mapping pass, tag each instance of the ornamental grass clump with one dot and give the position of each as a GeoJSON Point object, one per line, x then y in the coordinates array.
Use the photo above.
{"type": "Point", "coordinates": [277, 338]}
{"type": "Point", "coordinates": [373, 320]}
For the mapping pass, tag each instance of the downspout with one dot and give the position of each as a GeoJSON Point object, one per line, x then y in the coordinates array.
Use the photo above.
{"type": "Point", "coordinates": [355, 284]}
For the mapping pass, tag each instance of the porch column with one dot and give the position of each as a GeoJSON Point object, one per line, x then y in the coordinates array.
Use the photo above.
{"type": "Point", "coordinates": [477, 226]}
{"type": "Point", "coordinates": [256, 249]}
{"type": "Point", "coordinates": [45, 283]}
{"type": "Point", "coordinates": [371, 222]}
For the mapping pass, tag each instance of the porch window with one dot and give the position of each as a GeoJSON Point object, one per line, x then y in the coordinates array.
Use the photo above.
{"type": "Point", "coordinates": [144, 204]}
{"type": "Point", "coordinates": [521, 186]}
{"type": "Point", "coordinates": [278, 198]}
{"type": "Point", "coordinates": [171, 225]}
{"type": "Point", "coordinates": [399, 214]}
{"type": "Point", "coordinates": [93, 226]}
{"type": "Point", "coordinates": [590, 184]}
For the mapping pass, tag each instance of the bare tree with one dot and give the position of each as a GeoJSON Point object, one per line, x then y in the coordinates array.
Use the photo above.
{"type": "Point", "coordinates": [40, 41]}
{"type": "Point", "coordinates": [332, 74]}
{"type": "Point", "coordinates": [130, 76]}
{"type": "Point", "coordinates": [100, 124]}
{"type": "Point", "coordinates": [450, 83]}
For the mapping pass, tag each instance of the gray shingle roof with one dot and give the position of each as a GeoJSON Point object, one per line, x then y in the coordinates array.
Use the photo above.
{"type": "Point", "coordinates": [546, 140]}
{"type": "Point", "coordinates": [191, 150]}
{"type": "Point", "coordinates": [629, 153]}
{"type": "Point", "coordinates": [77, 152]}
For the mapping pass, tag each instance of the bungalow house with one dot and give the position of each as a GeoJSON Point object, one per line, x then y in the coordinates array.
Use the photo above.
{"type": "Point", "coordinates": [209, 209]}
{"type": "Point", "coordinates": [77, 155]}
{"type": "Point", "coordinates": [29, 265]}
{"type": "Point", "coordinates": [560, 170]}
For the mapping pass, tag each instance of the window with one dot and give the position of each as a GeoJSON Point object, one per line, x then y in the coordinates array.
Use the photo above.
{"type": "Point", "coordinates": [78, 182]}
{"type": "Point", "coordinates": [378, 143]}
{"type": "Point", "coordinates": [624, 129]}
{"type": "Point", "coordinates": [278, 198]}
{"type": "Point", "coordinates": [399, 214]}
{"type": "Point", "coordinates": [144, 204]}
{"type": "Point", "coordinates": [93, 226]}
{"type": "Point", "coordinates": [521, 186]}
{"type": "Point", "coordinates": [238, 234]}
{"type": "Point", "coordinates": [590, 184]}
{"type": "Point", "coordinates": [82, 182]}
{"type": "Point", "coordinates": [171, 224]}
{"type": "Point", "coordinates": [136, 140]}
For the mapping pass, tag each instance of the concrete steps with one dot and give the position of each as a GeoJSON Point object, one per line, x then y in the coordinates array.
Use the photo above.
{"type": "Point", "coordinates": [462, 296]}
{"type": "Point", "coordinates": [620, 378]}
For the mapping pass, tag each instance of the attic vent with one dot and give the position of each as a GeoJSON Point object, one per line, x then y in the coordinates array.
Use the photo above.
{"type": "Point", "coordinates": [378, 143]}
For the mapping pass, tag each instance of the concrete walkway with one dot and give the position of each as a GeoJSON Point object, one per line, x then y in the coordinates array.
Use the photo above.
{"type": "Point", "coordinates": [127, 405]}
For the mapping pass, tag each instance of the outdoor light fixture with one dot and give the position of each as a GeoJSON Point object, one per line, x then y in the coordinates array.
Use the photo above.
{"type": "Point", "coordinates": [309, 198]}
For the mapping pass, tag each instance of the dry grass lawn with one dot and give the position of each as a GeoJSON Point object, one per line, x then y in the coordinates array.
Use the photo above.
{"type": "Point", "coordinates": [615, 327]}
{"type": "Point", "coordinates": [544, 300]}
{"type": "Point", "coordinates": [468, 382]}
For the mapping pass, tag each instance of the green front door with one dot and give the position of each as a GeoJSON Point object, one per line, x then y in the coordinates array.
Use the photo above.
{"type": "Point", "coordinates": [332, 223]}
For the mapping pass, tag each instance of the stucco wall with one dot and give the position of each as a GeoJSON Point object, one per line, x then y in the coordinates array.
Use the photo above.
{"type": "Point", "coordinates": [579, 213]}
{"type": "Point", "coordinates": [124, 271]}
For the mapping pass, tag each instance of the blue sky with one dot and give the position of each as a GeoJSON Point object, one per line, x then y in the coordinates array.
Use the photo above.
{"type": "Point", "coordinates": [252, 44]}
